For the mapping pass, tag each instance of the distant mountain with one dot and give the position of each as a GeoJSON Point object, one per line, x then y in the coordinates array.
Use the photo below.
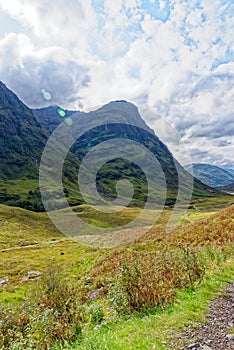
{"type": "Point", "coordinates": [229, 170]}
{"type": "Point", "coordinates": [228, 188]}
{"type": "Point", "coordinates": [211, 175]}
{"type": "Point", "coordinates": [50, 117]}
{"type": "Point", "coordinates": [24, 133]}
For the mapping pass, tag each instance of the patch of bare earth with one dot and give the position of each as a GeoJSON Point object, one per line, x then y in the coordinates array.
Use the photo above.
{"type": "Point", "coordinates": [217, 332]}
{"type": "Point", "coordinates": [115, 238]}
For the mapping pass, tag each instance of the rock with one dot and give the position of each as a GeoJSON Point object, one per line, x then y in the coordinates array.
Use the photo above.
{"type": "Point", "coordinates": [205, 347]}
{"type": "Point", "coordinates": [230, 336]}
{"type": "Point", "coordinates": [4, 281]}
{"type": "Point", "coordinates": [32, 275]}
{"type": "Point", "coordinates": [193, 346]}
{"type": "Point", "coordinates": [93, 294]}
{"type": "Point", "coordinates": [208, 342]}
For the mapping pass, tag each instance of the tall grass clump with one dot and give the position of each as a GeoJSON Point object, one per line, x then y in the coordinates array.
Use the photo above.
{"type": "Point", "coordinates": [50, 314]}
{"type": "Point", "coordinates": [151, 279]}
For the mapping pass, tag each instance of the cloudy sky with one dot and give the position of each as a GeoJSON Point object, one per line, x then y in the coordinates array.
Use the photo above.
{"type": "Point", "coordinates": [175, 56]}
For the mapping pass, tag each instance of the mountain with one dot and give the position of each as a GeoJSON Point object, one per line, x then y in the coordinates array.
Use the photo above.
{"type": "Point", "coordinates": [24, 133]}
{"type": "Point", "coordinates": [22, 139]}
{"type": "Point", "coordinates": [228, 188]}
{"type": "Point", "coordinates": [211, 175]}
{"type": "Point", "coordinates": [229, 170]}
{"type": "Point", "coordinates": [51, 117]}
{"type": "Point", "coordinates": [121, 119]}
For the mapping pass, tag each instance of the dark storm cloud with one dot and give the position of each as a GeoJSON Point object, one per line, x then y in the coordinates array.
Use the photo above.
{"type": "Point", "coordinates": [34, 78]}
{"type": "Point", "coordinates": [217, 129]}
{"type": "Point", "coordinates": [52, 70]}
{"type": "Point", "coordinates": [203, 110]}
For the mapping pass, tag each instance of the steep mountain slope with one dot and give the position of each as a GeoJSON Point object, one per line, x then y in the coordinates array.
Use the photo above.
{"type": "Point", "coordinates": [120, 119]}
{"type": "Point", "coordinates": [22, 139]}
{"type": "Point", "coordinates": [211, 175]}
{"type": "Point", "coordinates": [128, 125]}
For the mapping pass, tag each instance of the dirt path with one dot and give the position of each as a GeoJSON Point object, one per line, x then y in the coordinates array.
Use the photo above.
{"type": "Point", "coordinates": [32, 245]}
{"type": "Point", "coordinates": [217, 333]}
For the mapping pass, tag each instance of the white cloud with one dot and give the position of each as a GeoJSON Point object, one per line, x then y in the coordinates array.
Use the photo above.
{"type": "Point", "coordinates": [29, 72]}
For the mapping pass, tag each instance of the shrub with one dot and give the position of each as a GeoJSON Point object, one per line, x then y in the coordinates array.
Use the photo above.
{"type": "Point", "coordinates": [50, 314]}
{"type": "Point", "coordinates": [151, 279]}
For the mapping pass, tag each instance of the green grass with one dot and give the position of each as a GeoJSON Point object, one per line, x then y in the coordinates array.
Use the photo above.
{"type": "Point", "coordinates": [216, 202]}
{"type": "Point", "coordinates": [19, 227]}
{"type": "Point", "coordinates": [75, 259]}
{"type": "Point", "coordinates": [19, 187]}
{"type": "Point", "coordinates": [150, 331]}
{"type": "Point", "coordinates": [210, 234]}
{"type": "Point", "coordinates": [199, 215]}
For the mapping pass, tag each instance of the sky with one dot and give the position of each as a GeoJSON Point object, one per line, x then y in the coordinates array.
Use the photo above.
{"type": "Point", "coordinates": [175, 57]}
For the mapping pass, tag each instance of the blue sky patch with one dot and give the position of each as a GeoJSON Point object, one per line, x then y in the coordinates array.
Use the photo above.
{"type": "Point", "coordinates": [229, 57]}
{"type": "Point", "coordinates": [153, 8]}
{"type": "Point", "coordinates": [9, 25]}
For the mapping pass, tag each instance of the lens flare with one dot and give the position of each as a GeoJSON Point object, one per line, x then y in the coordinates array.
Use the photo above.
{"type": "Point", "coordinates": [46, 95]}
{"type": "Point", "coordinates": [69, 121]}
{"type": "Point", "coordinates": [61, 112]}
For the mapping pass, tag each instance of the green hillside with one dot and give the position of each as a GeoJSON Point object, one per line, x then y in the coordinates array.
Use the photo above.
{"type": "Point", "coordinates": [22, 141]}
{"type": "Point", "coordinates": [21, 227]}
{"type": "Point", "coordinates": [121, 119]}
{"type": "Point", "coordinates": [21, 138]}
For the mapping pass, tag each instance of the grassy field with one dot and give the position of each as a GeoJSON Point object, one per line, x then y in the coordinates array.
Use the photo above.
{"type": "Point", "coordinates": [21, 227]}
{"type": "Point", "coordinates": [157, 329]}
{"type": "Point", "coordinates": [195, 261]}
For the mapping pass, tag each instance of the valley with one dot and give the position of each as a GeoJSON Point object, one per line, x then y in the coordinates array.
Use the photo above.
{"type": "Point", "coordinates": [35, 244]}
{"type": "Point", "coordinates": [97, 263]}
{"type": "Point", "coordinates": [116, 175]}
